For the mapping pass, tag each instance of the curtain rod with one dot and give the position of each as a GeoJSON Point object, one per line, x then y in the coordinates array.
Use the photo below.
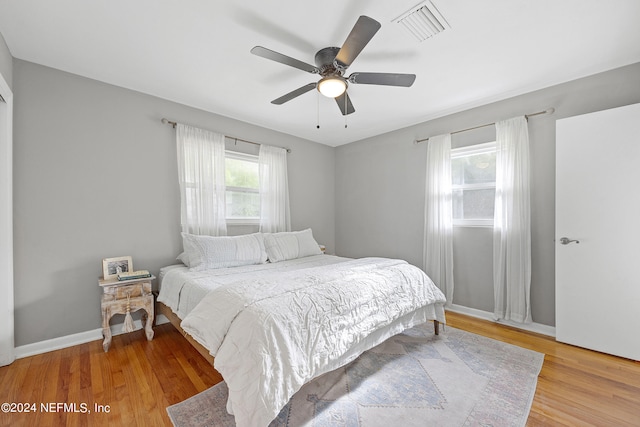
{"type": "Point", "coordinates": [547, 111]}
{"type": "Point", "coordinates": [174, 124]}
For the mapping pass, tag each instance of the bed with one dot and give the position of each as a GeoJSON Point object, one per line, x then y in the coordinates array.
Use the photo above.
{"type": "Point", "coordinates": [271, 312]}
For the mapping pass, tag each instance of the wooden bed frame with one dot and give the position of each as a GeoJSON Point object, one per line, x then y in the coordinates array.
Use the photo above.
{"type": "Point", "coordinates": [175, 321]}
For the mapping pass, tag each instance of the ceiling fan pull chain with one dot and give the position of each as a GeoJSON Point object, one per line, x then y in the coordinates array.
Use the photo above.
{"type": "Point", "coordinates": [345, 109]}
{"type": "Point", "coordinates": [318, 111]}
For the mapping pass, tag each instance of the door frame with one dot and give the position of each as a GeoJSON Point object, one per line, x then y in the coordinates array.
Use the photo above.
{"type": "Point", "coordinates": [7, 355]}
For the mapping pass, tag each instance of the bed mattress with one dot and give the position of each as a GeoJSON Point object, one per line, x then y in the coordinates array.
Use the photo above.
{"type": "Point", "coordinates": [181, 290]}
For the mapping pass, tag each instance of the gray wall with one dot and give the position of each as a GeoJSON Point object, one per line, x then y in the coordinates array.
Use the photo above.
{"type": "Point", "coordinates": [381, 181]}
{"type": "Point", "coordinates": [95, 176]}
{"type": "Point", "coordinates": [6, 63]}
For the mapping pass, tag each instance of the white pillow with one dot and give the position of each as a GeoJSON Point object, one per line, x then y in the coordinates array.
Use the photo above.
{"type": "Point", "coordinates": [291, 245]}
{"type": "Point", "coordinates": [183, 258]}
{"type": "Point", "coordinates": [207, 252]}
{"type": "Point", "coordinates": [187, 248]}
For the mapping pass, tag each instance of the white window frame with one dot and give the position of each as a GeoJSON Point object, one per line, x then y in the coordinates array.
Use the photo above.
{"type": "Point", "coordinates": [471, 150]}
{"type": "Point", "coordinates": [249, 158]}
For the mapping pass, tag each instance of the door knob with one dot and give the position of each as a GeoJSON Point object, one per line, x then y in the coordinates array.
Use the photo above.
{"type": "Point", "coordinates": [566, 240]}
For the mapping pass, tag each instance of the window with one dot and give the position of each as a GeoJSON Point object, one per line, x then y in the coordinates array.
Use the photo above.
{"type": "Point", "coordinates": [473, 174]}
{"type": "Point", "coordinates": [243, 190]}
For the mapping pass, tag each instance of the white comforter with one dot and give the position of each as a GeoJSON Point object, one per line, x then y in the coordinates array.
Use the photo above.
{"type": "Point", "coordinates": [182, 289]}
{"type": "Point", "coordinates": [271, 335]}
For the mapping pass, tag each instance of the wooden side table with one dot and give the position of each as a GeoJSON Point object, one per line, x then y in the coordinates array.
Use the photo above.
{"type": "Point", "coordinates": [122, 296]}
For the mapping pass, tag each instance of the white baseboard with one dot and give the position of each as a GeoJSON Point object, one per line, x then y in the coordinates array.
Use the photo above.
{"type": "Point", "coordinates": [485, 315]}
{"type": "Point", "coordinates": [7, 358]}
{"type": "Point", "coordinates": [75, 339]}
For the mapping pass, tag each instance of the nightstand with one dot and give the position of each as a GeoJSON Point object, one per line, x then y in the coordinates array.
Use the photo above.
{"type": "Point", "coordinates": [122, 296]}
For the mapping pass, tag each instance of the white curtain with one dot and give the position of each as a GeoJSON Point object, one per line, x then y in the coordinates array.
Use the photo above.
{"type": "Point", "coordinates": [274, 190]}
{"type": "Point", "coordinates": [202, 181]}
{"type": "Point", "coordinates": [438, 225]}
{"type": "Point", "coordinates": [512, 222]}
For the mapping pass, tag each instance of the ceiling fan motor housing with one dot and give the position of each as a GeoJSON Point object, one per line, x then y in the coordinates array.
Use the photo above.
{"type": "Point", "coordinates": [325, 59]}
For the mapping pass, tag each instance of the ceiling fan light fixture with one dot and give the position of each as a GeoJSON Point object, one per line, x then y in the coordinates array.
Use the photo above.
{"type": "Point", "coordinates": [332, 86]}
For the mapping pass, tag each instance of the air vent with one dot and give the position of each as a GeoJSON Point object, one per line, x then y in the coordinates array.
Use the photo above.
{"type": "Point", "coordinates": [423, 21]}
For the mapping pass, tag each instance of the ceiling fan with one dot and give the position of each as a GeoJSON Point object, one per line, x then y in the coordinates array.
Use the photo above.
{"type": "Point", "coordinates": [331, 64]}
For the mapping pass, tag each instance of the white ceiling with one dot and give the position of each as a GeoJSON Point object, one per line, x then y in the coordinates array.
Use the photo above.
{"type": "Point", "coordinates": [196, 52]}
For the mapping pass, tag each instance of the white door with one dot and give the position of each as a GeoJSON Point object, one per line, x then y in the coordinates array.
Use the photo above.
{"type": "Point", "coordinates": [598, 204]}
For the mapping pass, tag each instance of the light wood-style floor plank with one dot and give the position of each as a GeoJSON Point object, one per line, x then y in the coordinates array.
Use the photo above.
{"type": "Point", "coordinates": [137, 379]}
{"type": "Point", "coordinates": [135, 382]}
{"type": "Point", "coordinates": [576, 387]}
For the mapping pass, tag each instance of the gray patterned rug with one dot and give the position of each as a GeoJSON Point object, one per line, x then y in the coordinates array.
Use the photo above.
{"type": "Point", "coordinates": [413, 379]}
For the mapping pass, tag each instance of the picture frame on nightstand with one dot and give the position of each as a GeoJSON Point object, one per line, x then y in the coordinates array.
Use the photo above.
{"type": "Point", "coordinates": [111, 267]}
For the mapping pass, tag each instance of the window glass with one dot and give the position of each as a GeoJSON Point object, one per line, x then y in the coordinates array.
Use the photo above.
{"type": "Point", "coordinates": [241, 171]}
{"type": "Point", "coordinates": [241, 204]}
{"type": "Point", "coordinates": [474, 169]}
{"type": "Point", "coordinates": [243, 190]}
{"type": "Point", "coordinates": [473, 203]}
{"type": "Point", "coordinates": [473, 175]}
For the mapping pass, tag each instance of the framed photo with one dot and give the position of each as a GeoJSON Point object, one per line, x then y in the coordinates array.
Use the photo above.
{"type": "Point", "coordinates": [111, 267]}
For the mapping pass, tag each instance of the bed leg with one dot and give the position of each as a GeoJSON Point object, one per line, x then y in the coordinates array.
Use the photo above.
{"type": "Point", "coordinates": [436, 327]}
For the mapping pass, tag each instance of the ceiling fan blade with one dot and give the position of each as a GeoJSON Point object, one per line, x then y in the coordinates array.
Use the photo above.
{"type": "Point", "coordinates": [284, 59]}
{"type": "Point", "coordinates": [345, 105]}
{"type": "Point", "coordinates": [387, 79]}
{"type": "Point", "coordinates": [360, 35]}
{"type": "Point", "coordinates": [294, 94]}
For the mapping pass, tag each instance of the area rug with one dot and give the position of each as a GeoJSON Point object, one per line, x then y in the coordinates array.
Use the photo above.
{"type": "Point", "coordinates": [413, 379]}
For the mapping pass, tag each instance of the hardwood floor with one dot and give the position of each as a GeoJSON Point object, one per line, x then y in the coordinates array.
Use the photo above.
{"type": "Point", "coordinates": [134, 382]}
{"type": "Point", "coordinates": [576, 387]}
{"type": "Point", "coordinates": [137, 379]}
